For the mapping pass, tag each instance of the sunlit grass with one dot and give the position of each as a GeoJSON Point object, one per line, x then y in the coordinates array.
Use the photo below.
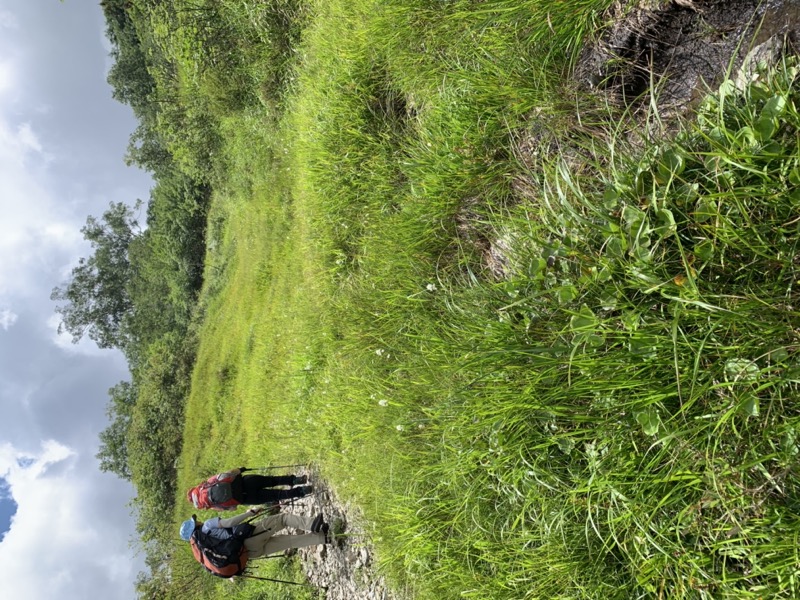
{"type": "Point", "coordinates": [614, 418]}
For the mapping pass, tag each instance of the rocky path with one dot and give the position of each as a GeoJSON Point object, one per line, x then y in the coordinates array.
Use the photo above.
{"type": "Point", "coordinates": [346, 568]}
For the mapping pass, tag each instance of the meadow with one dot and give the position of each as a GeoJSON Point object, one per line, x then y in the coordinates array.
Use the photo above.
{"type": "Point", "coordinates": [545, 341]}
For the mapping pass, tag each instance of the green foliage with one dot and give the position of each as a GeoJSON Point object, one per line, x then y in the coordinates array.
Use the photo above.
{"type": "Point", "coordinates": [154, 435]}
{"type": "Point", "coordinates": [113, 454]}
{"type": "Point", "coordinates": [96, 298]}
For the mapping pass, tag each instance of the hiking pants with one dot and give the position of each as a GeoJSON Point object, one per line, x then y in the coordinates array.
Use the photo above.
{"type": "Point", "coordinates": [255, 489]}
{"type": "Point", "coordinates": [263, 541]}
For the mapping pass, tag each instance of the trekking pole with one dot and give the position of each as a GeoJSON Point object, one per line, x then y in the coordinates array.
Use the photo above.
{"type": "Point", "coordinates": [273, 468]}
{"type": "Point", "coordinates": [281, 581]}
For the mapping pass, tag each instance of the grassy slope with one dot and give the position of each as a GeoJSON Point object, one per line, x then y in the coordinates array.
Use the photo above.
{"type": "Point", "coordinates": [617, 424]}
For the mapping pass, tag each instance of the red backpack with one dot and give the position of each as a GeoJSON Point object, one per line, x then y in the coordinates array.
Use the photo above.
{"type": "Point", "coordinates": [223, 558]}
{"type": "Point", "coordinates": [216, 492]}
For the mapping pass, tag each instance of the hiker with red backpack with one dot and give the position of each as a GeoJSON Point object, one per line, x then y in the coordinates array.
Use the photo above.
{"type": "Point", "coordinates": [223, 546]}
{"type": "Point", "coordinates": [228, 490]}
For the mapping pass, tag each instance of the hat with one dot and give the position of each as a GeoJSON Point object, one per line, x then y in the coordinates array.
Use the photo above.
{"type": "Point", "coordinates": [187, 528]}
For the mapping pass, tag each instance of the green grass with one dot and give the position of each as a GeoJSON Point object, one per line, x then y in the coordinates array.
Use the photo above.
{"type": "Point", "coordinates": [615, 418]}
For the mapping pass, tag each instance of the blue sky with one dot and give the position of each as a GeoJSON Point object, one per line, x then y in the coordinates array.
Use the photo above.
{"type": "Point", "coordinates": [62, 145]}
{"type": "Point", "coordinates": [7, 507]}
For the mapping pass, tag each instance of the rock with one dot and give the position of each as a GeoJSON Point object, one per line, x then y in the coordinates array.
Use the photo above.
{"type": "Point", "coordinates": [344, 567]}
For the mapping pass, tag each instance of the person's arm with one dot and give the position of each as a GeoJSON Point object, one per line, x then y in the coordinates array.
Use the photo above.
{"type": "Point", "coordinates": [233, 521]}
{"type": "Point", "coordinates": [213, 528]}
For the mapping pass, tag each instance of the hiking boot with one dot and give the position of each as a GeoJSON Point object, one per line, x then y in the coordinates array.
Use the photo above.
{"type": "Point", "coordinates": [300, 480]}
{"type": "Point", "coordinates": [317, 523]}
{"type": "Point", "coordinates": [301, 491]}
{"type": "Point", "coordinates": [325, 530]}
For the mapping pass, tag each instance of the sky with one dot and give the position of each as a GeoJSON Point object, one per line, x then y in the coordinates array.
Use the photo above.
{"type": "Point", "coordinates": [66, 529]}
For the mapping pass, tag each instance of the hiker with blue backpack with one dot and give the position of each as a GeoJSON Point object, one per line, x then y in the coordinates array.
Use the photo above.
{"type": "Point", "coordinates": [223, 546]}
{"type": "Point", "coordinates": [228, 490]}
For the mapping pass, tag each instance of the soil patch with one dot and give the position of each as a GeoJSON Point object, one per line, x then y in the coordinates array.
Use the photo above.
{"type": "Point", "coordinates": [685, 47]}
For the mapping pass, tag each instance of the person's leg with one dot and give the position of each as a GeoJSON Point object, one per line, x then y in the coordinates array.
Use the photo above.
{"type": "Point", "coordinates": [263, 541]}
{"type": "Point", "coordinates": [279, 543]}
{"type": "Point", "coordinates": [263, 481]}
{"type": "Point", "coordinates": [264, 495]}
{"type": "Point", "coordinates": [275, 523]}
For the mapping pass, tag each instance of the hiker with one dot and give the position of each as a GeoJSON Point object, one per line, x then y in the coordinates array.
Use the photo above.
{"type": "Point", "coordinates": [228, 490]}
{"type": "Point", "coordinates": [223, 546]}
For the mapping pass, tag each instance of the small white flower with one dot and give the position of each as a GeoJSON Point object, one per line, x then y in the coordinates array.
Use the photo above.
{"type": "Point", "coordinates": [420, 426]}
{"type": "Point", "coordinates": [383, 403]}
{"type": "Point", "coordinates": [379, 351]}
{"type": "Point", "coordinates": [431, 287]}
{"type": "Point", "coordinates": [399, 428]}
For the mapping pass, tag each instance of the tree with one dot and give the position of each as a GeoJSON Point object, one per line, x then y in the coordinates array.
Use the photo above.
{"type": "Point", "coordinates": [96, 299]}
{"type": "Point", "coordinates": [146, 149]}
{"type": "Point", "coordinates": [113, 454]}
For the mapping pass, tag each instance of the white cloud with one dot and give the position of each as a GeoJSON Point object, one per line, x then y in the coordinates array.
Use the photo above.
{"type": "Point", "coordinates": [7, 318]}
{"type": "Point", "coordinates": [28, 139]}
{"type": "Point", "coordinates": [7, 77]}
{"type": "Point", "coordinates": [35, 229]}
{"type": "Point", "coordinates": [8, 20]}
{"type": "Point", "coordinates": [57, 524]}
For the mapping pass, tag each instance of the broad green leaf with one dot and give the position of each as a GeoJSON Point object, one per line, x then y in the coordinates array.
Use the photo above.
{"type": "Point", "coordinates": [794, 176]}
{"type": "Point", "coordinates": [704, 250]}
{"type": "Point", "coordinates": [566, 445]}
{"type": "Point", "coordinates": [666, 222]}
{"type": "Point", "coordinates": [536, 266]}
{"type": "Point", "coordinates": [605, 274]}
{"type": "Point", "coordinates": [778, 355]}
{"type": "Point", "coordinates": [610, 198]}
{"type": "Point", "coordinates": [641, 252]}
{"type": "Point", "coordinates": [774, 107]}
{"type": "Point", "coordinates": [726, 88]}
{"type": "Point", "coordinates": [765, 128]}
{"type": "Point", "coordinates": [741, 370]}
{"type": "Point", "coordinates": [595, 339]}
{"type": "Point", "coordinates": [705, 210]}
{"type": "Point", "coordinates": [687, 192]}
{"type": "Point", "coordinates": [615, 246]}
{"type": "Point", "coordinates": [584, 321]}
{"type": "Point", "coordinates": [608, 299]}
{"type": "Point", "coordinates": [648, 419]}
{"type": "Point", "coordinates": [643, 183]}
{"type": "Point", "coordinates": [717, 134]}
{"type": "Point", "coordinates": [566, 294]}
{"type": "Point", "coordinates": [747, 136]}
{"type": "Point", "coordinates": [635, 222]}
{"type": "Point", "coordinates": [631, 321]}
{"type": "Point", "coordinates": [773, 148]}
{"type": "Point", "coordinates": [671, 164]}
{"type": "Point", "coordinates": [789, 442]}
{"type": "Point", "coordinates": [749, 405]}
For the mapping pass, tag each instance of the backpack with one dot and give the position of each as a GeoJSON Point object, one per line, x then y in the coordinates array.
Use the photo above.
{"type": "Point", "coordinates": [223, 558]}
{"type": "Point", "coordinates": [216, 493]}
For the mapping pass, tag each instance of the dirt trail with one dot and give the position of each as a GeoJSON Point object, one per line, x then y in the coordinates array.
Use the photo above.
{"type": "Point", "coordinates": [347, 567]}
